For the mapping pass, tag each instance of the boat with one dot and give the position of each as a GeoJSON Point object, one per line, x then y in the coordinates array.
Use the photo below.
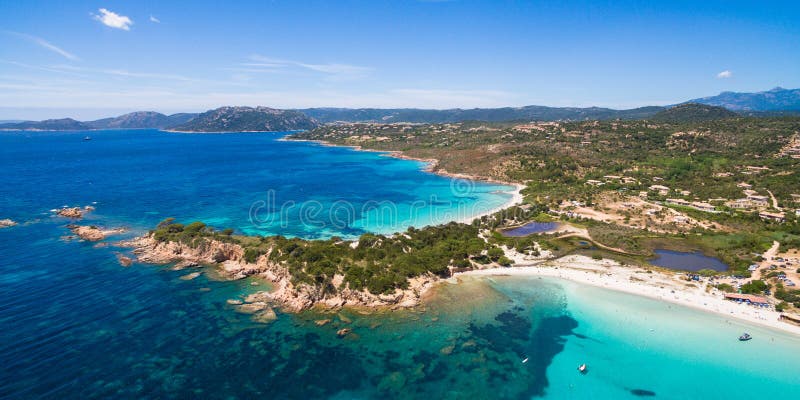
{"type": "Point", "coordinates": [745, 337]}
{"type": "Point", "coordinates": [525, 360]}
{"type": "Point", "coordinates": [87, 138]}
{"type": "Point", "coordinates": [582, 368]}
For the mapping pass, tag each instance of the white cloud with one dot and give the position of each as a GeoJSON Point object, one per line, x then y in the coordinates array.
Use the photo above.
{"type": "Point", "coordinates": [113, 20]}
{"type": "Point", "coordinates": [124, 73]}
{"type": "Point", "coordinates": [334, 71]}
{"type": "Point", "coordinates": [47, 45]}
{"type": "Point", "coordinates": [154, 19]}
{"type": "Point", "coordinates": [725, 74]}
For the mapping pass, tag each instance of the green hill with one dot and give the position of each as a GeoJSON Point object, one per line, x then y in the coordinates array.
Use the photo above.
{"type": "Point", "coordinates": [692, 112]}
{"type": "Point", "coordinates": [247, 119]}
{"type": "Point", "coordinates": [141, 120]}
{"type": "Point", "coordinates": [64, 124]}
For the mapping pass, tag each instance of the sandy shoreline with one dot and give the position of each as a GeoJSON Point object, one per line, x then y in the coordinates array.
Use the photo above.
{"type": "Point", "coordinates": [431, 167]}
{"type": "Point", "coordinates": [661, 286]}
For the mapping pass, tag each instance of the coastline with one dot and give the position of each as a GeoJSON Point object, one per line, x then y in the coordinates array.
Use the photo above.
{"type": "Point", "coordinates": [177, 131]}
{"type": "Point", "coordinates": [431, 166]}
{"type": "Point", "coordinates": [656, 285]}
{"type": "Point", "coordinates": [229, 262]}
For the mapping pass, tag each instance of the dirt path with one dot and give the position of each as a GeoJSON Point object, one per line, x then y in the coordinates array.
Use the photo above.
{"type": "Point", "coordinates": [774, 201]}
{"type": "Point", "coordinates": [768, 256]}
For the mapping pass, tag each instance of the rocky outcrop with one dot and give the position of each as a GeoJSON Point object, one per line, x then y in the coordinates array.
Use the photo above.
{"type": "Point", "coordinates": [207, 252]}
{"type": "Point", "coordinates": [291, 297]}
{"type": "Point", "coordinates": [93, 233]}
{"type": "Point", "coordinates": [124, 260]}
{"type": "Point", "coordinates": [73, 212]}
{"type": "Point", "coordinates": [7, 223]}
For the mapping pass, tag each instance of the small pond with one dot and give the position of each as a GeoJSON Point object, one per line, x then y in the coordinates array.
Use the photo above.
{"type": "Point", "coordinates": [686, 261]}
{"type": "Point", "coordinates": [531, 228]}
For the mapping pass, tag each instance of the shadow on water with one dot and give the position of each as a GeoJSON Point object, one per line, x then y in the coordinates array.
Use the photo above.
{"type": "Point", "coordinates": [540, 346]}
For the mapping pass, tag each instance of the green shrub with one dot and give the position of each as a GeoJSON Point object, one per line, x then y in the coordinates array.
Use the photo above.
{"type": "Point", "coordinates": [755, 287]}
{"type": "Point", "coordinates": [495, 253]}
{"type": "Point", "coordinates": [725, 287]}
{"type": "Point", "coordinates": [706, 272]}
{"type": "Point", "coordinates": [251, 255]}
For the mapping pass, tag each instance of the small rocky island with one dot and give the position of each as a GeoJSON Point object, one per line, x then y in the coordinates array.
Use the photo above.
{"type": "Point", "coordinates": [374, 271]}
{"type": "Point", "coordinates": [93, 233]}
{"type": "Point", "coordinates": [73, 212]}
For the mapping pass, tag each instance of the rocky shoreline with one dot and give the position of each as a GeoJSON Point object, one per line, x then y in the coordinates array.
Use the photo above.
{"type": "Point", "coordinates": [229, 261]}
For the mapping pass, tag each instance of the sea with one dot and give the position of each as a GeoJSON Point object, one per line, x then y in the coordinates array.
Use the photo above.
{"type": "Point", "coordinates": [75, 324]}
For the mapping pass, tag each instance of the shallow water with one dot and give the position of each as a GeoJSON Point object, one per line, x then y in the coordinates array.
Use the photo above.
{"type": "Point", "coordinates": [75, 324]}
{"type": "Point", "coordinates": [686, 261]}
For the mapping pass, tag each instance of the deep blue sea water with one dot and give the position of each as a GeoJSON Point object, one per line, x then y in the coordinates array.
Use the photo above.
{"type": "Point", "coordinates": [75, 324]}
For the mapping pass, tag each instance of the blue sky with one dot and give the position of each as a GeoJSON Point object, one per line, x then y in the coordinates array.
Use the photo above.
{"type": "Point", "coordinates": [89, 59]}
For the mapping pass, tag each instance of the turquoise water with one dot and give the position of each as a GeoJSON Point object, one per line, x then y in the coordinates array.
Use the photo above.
{"type": "Point", "coordinates": [75, 324]}
{"type": "Point", "coordinates": [251, 182]}
{"type": "Point", "coordinates": [679, 353]}
{"type": "Point", "coordinates": [685, 261]}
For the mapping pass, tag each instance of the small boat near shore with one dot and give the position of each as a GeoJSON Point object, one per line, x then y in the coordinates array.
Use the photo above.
{"type": "Point", "coordinates": [582, 368]}
{"type": "Point", "coordinates": [745, 337]}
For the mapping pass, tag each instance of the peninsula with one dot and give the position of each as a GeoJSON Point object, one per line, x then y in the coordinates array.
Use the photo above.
{"type": "Point", "coordinates": [612, 205]}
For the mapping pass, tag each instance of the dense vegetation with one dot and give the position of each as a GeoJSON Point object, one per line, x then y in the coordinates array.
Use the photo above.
{"type": "Point", "coordinates": [378, 263]}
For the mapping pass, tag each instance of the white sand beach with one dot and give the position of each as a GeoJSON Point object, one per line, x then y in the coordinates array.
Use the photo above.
{"type": "Point", "coordinates": [516, 199]}
{"type": "Point", "coordinates": [668, 287]}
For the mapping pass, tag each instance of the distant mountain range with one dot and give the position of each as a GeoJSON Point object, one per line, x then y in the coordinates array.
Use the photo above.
{"type": "Point", "coordinates": [777, 101]}
{"type": "Point", "coordinates": [134, 120]}
{"type": "Point", "coordinates": [223, 119]}
{"type": "Point", "coordinates": [527, 113]}
{"type": "Point", "coordinates": [141, 120]}
{"type": "Point", "coordinates": [63, 124]}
